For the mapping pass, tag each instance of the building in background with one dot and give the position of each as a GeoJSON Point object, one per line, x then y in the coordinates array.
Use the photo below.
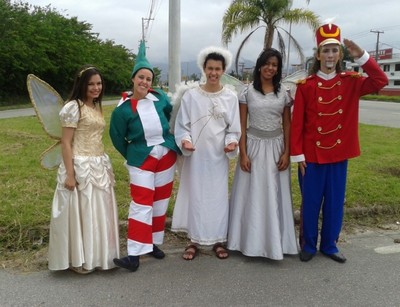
{"type": "Point", "coordinates": [390, 64]}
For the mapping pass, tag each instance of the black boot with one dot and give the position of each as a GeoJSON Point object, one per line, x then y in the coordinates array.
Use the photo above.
{"type": "Point", "coordinates": [130, 263]}
{"type": "Point", "coordinates": [157, 253]}
{"type": "Point", "coordinates": [305, 256]}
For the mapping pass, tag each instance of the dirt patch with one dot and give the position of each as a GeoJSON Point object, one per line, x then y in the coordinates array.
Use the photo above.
{"type": "Point", "coordinates": [36, 260]}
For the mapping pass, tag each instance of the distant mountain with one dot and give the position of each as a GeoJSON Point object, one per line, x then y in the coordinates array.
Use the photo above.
{"type": "Point", "coordinates": [190, 68]}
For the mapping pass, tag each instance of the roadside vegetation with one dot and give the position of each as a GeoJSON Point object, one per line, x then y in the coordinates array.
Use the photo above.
{"type": "Point", "coordinates": [26, 189]}
{"type": "Point", "coordinates": [53, 46]}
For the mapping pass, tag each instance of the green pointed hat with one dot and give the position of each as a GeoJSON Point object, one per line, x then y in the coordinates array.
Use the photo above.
{"type": "Point", "coordinates": [141, 61]}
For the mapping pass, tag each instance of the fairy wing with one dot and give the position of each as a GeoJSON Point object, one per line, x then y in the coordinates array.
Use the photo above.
{"type": "Point", "coordinates": [47, 104]}
{"type": "Point", "coordinates": [236, 83]}
{"type": "Point", "coordinates": [51, 157]}
{"type": "Point", "coordinates": [291, 80]}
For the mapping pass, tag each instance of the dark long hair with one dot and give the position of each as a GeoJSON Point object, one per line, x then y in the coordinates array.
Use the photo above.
{"type": "Point", "coordinates": [81, 83]}
{"type": "Point", "coordinates": [261, 61]}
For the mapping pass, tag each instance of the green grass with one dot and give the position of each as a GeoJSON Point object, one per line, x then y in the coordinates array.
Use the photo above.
{"type": "Point", "coordinates": [27, 190]}
{"type": "Point", "coordinates": [382, 98]}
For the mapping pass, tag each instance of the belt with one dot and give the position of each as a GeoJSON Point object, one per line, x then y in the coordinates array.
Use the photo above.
{"type": "Point", "coordinates": [264, 134]}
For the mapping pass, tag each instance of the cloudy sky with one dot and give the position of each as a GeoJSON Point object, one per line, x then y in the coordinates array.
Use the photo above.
{"type": "Point", "coordinates": [201, 24]}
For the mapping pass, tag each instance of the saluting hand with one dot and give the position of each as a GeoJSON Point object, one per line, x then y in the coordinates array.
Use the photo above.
{"type": "Point", "coordinates": [354, 49]}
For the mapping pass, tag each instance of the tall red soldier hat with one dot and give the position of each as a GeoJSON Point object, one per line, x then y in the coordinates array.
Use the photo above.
{"type": "Point", "coordinates": [328, 34]}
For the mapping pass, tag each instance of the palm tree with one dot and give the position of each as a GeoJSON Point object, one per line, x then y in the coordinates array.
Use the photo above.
{"type": "Point", "coordinates": [242, 15]}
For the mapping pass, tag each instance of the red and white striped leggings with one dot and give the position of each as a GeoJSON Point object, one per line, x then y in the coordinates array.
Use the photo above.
{"type": "Point", "coordinates": [151, 187]}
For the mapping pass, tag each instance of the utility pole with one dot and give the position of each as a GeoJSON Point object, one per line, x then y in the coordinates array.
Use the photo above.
{"type": "Point", "coordinates": [377, 43]}
{"type": "Point", "coordinates": [174, 45]}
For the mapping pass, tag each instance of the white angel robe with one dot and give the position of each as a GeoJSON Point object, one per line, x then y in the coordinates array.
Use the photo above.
{"type": "Point", "coordinates": [210, 121]}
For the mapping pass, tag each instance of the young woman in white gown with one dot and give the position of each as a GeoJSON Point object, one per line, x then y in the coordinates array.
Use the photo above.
{"type": "Point", "coordinates": [84, 219]}
{"type": "Point", "coordinates": [261, 219]}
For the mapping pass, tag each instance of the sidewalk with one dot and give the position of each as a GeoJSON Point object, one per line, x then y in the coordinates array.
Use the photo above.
{"type": "Point", "coordinates": [370, 277]}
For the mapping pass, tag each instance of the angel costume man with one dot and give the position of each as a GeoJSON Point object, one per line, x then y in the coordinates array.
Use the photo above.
{"type": "Point", "coordinates": [207, 130]}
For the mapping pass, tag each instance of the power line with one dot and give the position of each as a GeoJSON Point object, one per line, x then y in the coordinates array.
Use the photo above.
{"type": "Point", "coordinates": [382, 43]}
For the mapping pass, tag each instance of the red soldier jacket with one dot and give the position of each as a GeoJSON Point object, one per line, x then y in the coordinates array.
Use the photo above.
{"type": "Point", "coordinates": [325, 115]}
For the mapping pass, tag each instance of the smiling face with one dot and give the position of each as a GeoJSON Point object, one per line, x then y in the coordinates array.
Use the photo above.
{"type": "Point", "coordinates": [269, 69]}
{"type": "Point", "coordinates": [141, 83]}
{"type": "Point", "coordinates": [94, 88]}
{"type": "Point", "coordinates": [329, 55]}
{"type": "Point", "coordinates": [213, 70]}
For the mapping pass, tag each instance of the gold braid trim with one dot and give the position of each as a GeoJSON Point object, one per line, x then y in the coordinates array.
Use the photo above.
{"type": "Point", "coordinates": [330, 131]}
{"type": "Point", "coordinates": [329, 102]}
{"type": "Point", "coordinates": [340, 111]}
{"type": "Point", "coordinates": [327, 147]}
{"type": "Point", "coordinates": [330, 87]}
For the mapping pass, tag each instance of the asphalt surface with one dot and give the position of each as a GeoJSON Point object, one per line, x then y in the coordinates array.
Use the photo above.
{"type": "Point", "coordinates": [370, 277]}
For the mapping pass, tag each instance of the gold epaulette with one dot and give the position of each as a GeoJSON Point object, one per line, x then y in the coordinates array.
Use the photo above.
{"type": "Point", "coordinates": [303, 81]}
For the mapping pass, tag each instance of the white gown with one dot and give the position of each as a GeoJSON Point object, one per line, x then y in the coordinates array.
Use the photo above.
{"type": "Point", "coordinates": [210, 121]}
{"type": "Point", "coordinates": [261, 216]}
{"type": "Point", "coordinates": [84, 222]}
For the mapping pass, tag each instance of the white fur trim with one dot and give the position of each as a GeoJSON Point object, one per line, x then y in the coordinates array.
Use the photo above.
{"type": "Point", "coordinates": [222, 51]}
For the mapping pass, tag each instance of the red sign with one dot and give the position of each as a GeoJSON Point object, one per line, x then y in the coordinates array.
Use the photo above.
{"type": "Point", "coordinates": [383, 54]}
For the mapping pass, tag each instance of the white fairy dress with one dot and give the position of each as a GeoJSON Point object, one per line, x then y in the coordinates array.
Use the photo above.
{"type": "Point", "coordinates": [84, 222]}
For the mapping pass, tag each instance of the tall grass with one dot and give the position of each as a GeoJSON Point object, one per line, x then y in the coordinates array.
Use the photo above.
{"type": "Point", "coordinates": [27, 190]}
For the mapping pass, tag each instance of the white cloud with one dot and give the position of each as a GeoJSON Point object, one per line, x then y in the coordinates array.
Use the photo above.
{"type": "Point", "coordinates": [201, 24]}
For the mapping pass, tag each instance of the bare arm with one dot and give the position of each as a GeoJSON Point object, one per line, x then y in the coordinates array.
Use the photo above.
{"type": "Point", "coordinates": [284, 160]}
{"type": "Point", "coordinates": [245, 163]}
{"type": "Point", "coordinates": [66, 147]}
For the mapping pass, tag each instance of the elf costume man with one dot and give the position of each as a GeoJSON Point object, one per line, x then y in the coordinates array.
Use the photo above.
{"type": "Point", "coordinates": [324, 135]}
{"type": "Point", "coordinates": [140, 131]}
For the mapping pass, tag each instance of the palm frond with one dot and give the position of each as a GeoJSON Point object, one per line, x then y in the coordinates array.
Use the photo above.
{"type": "Point", "coordinates": [243, 15]}
{"type": "Point", "coordinates": [241, 46]}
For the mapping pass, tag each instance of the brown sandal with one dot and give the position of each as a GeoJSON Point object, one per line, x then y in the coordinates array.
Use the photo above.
{"type": "Point", "coordinates": [189, 254]}
{"type": "Point", "coordinates": [220, 251]}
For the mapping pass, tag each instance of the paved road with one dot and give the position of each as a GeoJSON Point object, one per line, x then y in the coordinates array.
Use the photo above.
{"type": "Point", "coordinates": [371, 112]}
{"type": "Point", "coordinates": [380, 113]}
{"type": "Point", "coordinates": [370, 277]}
{"type": "Point", "coordinates": [31, 111]}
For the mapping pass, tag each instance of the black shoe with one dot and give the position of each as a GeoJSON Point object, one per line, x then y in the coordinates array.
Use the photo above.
{"type": "Point", "coordinates": [130, 263]}
{"type": "Point", "coordinates": [338, 257]}
{"type": "Point", "coordinates": [304, 256]}
{"type": "Point", "coordinates": [157, 253]}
